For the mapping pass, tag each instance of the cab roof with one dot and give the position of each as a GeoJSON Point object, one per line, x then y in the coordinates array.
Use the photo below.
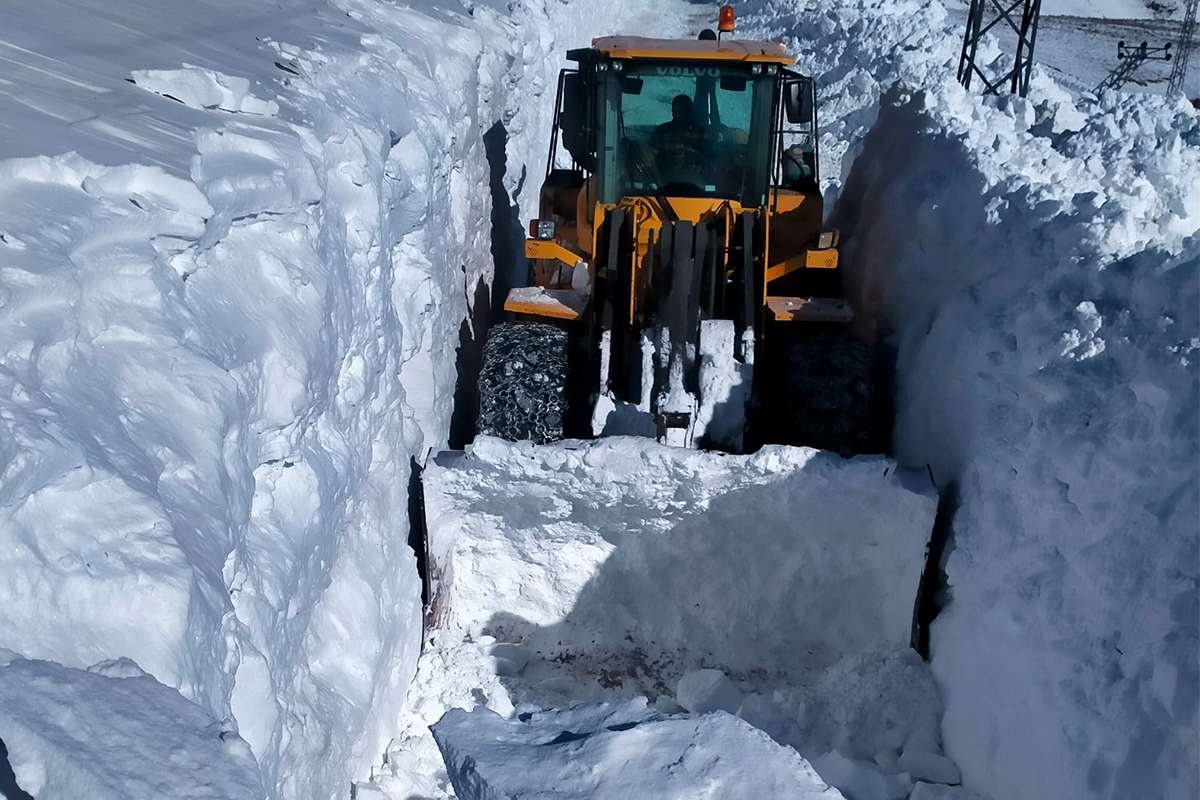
{"type": "Point", "coordinates": [697, 49]}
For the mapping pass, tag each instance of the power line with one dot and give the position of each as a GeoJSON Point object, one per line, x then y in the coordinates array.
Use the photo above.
{"type": "Point", "coordinates": [1131, 58]}
{"type": "Point", "coordinates": [1187, 34]}
{"type": "Point", "coordinates": [1026, 30]}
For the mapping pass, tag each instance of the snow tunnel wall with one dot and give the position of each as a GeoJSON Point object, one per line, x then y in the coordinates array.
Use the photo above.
{"type": "Point", "coordinates": [1034, 263]}
{"type": "Point", "coordinates": [215, 378]}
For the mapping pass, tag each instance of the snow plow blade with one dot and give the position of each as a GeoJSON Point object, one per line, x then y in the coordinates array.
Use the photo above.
{"type": "Point", "coordinates": [623, 560]}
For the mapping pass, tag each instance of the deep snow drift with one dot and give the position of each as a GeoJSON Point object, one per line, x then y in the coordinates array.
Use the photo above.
{"type": "Point", "coordinates": [1034, 264]}
{"type": "Point", "coordinates": [1047, 363]}
{"type": "Point", "coordinates": [220, 360]}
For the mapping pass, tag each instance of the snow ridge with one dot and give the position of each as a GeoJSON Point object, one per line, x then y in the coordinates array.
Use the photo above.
{"type": "Point", "coordinates": [215, 381]}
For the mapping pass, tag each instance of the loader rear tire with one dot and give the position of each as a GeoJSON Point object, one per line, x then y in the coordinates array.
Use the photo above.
{"type": "Point", "coordinates": [823, 395]}
{"type": "Point", "coordinates": [523, 382]}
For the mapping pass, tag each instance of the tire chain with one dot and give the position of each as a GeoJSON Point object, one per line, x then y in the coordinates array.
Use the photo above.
{"type": "Point", "coordinates": [829, 395]}
{"type": "Point", "coordinates": [523, 382]}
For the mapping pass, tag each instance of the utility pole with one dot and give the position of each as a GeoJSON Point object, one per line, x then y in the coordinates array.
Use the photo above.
{"type": "Point", "coordinates": [1187, 35]}
{"type": "Point", "coordinates": [1131, 58]}
{"type": "Point", "coordinates": [1026, 30]}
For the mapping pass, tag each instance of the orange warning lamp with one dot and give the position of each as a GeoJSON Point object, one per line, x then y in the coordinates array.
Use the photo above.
{"type": "Point", "coordinates": [725, 20]}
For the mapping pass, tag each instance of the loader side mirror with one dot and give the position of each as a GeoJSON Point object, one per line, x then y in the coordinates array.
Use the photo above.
{"type": "Point", "coordinates": [798, 99]}
{"type": "Point", "coordinates": [572, 120]}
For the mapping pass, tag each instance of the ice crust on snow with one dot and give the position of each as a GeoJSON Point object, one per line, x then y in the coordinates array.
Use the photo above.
{"type": "Point", "coordinates": [116, 734]}
{"type": "Point", "coordinates": [618, 751]}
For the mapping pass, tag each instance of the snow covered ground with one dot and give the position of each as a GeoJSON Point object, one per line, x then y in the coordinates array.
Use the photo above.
{"type": "Point", "coordinates": [238, 247]}
{"type": "Point", "coordinates": [241, 248]}
{"type": "Point", "coordinates": [1033, 263]}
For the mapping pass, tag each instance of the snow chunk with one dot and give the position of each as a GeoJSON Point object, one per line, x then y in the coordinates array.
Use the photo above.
{"type": "Point", "coordinates": [204, 88]}
{"type": "Point", "coordinates": [861, 780]}
{"type": "Point", "coordinates": [1082, 343]}
{"type": "Point", "coordinates": [930, 767]}
{"type": "Point", "coordinates": [706, 690]}
{"type": "Point", "coordinates": [76, 733]}
{"type": "Point", "coordinates": [618, 751]}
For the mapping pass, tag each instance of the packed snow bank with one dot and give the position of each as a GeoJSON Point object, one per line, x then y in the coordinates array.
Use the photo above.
{"type": "Point", "coordinates": [638, 554]}
{"type": "Point", "coordinates": [217, 369]}
{"type": "Point", "coordinates": [1035, 264]}
{"type": "Point", "coordinates": [619, 752]}
{"type": "Point", "coordinates": [114, 732]}
{"type": "Point", "coordinates": [855, 49]}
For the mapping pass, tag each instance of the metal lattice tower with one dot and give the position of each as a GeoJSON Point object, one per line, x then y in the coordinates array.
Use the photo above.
{"type": "Point", "coordinates": [1187, 35]}
{"type": "Point", "coordinates": [1131, 58]}
{"type": "Point", "coordinates": [1026, 31]}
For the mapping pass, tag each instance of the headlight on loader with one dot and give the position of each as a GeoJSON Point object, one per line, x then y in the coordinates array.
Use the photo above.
{"type": "Point", "coordinates": [827, 239]}
{"type": "Point", "coordinates": [541, 229]}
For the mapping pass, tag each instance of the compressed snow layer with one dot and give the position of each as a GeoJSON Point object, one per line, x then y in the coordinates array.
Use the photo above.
{"type": "Point", "coordinates": [114, 732]}
{"type": "Point", "coordinates": [618, 752]}
{"type": "Point", "coordinates": [1034, 264]}
{"type": "Point", "coordinates": [785, 560]}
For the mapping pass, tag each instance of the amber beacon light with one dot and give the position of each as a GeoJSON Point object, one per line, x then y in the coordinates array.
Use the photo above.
{"type": "Point", "coordinates": [725, 20]}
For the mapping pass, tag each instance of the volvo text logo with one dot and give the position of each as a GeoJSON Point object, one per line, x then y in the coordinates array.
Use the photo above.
{"type": "Point", "coordinates": [688, 72]}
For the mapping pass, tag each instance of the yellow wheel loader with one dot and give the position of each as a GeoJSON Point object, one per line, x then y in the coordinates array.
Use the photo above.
{"type": "Point", "coordinates": [681, 284]}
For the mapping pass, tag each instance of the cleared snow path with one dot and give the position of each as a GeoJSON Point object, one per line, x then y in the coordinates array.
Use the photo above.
{"type": "Point", "coordinates": [618, 568]}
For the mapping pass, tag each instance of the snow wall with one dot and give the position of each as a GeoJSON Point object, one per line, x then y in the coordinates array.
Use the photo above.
{"type": "Point", "coordinates": [217, 368]}
{"type": "Point", "coordinates": [1034, 263]}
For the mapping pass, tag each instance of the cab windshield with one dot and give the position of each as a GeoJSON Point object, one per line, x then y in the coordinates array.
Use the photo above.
{"type": "Point", "coordinates": [687, 129]}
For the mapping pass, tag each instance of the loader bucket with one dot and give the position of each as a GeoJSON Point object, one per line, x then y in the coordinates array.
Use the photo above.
{"type": "Point", "coordinates": [626, 561]}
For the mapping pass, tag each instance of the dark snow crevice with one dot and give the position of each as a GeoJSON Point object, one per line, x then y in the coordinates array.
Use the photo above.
{"type": "Point", "coordinates": [8, 780]}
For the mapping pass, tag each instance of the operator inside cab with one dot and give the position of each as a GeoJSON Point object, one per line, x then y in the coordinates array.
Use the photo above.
{"type": "Point", "coordinates": [679, 145]}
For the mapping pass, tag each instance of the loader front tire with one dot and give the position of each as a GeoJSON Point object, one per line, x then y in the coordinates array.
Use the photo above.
{"type": "Point", "coordinates": [823, 395]}
{"type": "Point", "coordinates": [523, 382]}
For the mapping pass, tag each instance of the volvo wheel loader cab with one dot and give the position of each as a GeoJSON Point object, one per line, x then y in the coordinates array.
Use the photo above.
{"type": "Point", "coordinates": [680, 283]}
